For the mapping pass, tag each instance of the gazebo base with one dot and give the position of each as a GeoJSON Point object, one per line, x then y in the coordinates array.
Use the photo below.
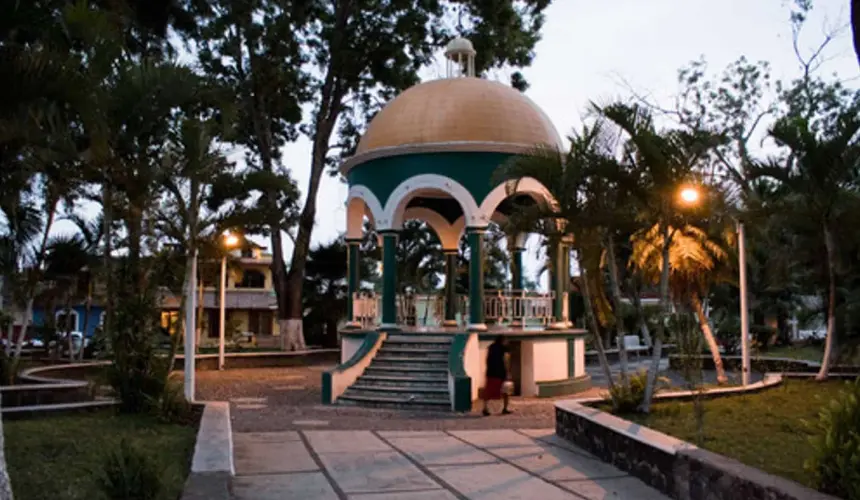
{"type": "Point", "coordinates": [444, 367]}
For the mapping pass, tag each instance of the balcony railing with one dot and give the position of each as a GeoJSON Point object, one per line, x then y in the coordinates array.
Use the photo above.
{"type": "Point", "coordinates": [501, 307]}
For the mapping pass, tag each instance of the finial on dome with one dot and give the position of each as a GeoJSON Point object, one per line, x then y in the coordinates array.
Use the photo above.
{"type": "Point", "coordinates": [460, 54]}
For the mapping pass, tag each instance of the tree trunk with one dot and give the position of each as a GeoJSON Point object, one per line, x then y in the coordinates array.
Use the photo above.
{"type": "Point", "coordinates": [5, 484]}
{"type": "Point", "coordinates": [595, 331]}
{"type": "Point", "coordinates": [87, 310]}
{"type": "Point", "coordinates": [641, 322]}
{"type": "Point", "coordinates": [696, 302]}
{"type": "Point", "coordinates": [22, 334]}
{"type": "Point", "coordinates": [657, 353]}
{"type": "Point", "coordinates": [107, 258]}
{"type": "Point", "coordinates": [615, 291]}
{"type": "Point", "coordinates": [830, 338]}
{"type": "Point", "coordinates": [199, 322]}
{"type": "Point", "coordinates": [68, 325]}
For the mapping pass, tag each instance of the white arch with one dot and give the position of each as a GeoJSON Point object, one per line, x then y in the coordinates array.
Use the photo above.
{"type": "Point", "coordinates": [360, 202]}
{"type": "Point", "coordinates": [448, 234]}
{"type": "Point", "coordinates": [77, 323]}
{"type": "Point", "coordinates": [526, 185]}
{"type": "Point", "coordinates": [408, 189]}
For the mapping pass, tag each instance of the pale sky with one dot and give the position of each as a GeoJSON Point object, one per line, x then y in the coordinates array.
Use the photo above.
{"type": "Point", "coordinates": [590, 48]}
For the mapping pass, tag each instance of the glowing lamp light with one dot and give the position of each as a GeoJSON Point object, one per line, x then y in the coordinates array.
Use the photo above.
{"type": "Point", "coordinates": [230, 239]}
{"type": "Point", "coordinates": [690, 195]}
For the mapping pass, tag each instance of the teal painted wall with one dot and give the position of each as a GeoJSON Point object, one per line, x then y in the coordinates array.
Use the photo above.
{"type": "Point", "coordinates": [472, 170]}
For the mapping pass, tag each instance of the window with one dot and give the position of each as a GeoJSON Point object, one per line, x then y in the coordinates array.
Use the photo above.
{"type": "Point", "coordinates": [170, 321]}
{"type": "Point", "coordinates": [252, 279]}
{"type": "Point", "coordinates": [260, 322]}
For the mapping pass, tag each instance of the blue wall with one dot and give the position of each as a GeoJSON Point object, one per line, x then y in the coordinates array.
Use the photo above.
{"type": "Point", "coordinates": [95, 318]}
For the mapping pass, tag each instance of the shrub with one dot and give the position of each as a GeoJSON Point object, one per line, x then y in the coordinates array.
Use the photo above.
{"type": "Point", "coordinates": [173, 408]}
{"type": "Point", "coordinates": [835, 463]}
{"type": "Point", "coordinates": [129, 474]}
{"type": "Point", "coordinates": [628, 399]}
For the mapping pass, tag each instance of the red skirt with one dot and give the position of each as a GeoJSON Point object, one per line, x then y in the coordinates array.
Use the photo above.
{"type": "Point", "coordinates": [493, 388]}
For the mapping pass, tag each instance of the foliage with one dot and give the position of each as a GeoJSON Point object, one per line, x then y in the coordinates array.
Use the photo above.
{"type": "Point", "coordinates": [64, 456]}
{"type": "Point", "coordinates": [628, 399]}
{"type": "Point", "coordinates": [129, 474]}
{"type": "Point", "coordinates": [138, 374]}
{"type": "Point", "coordinates": [835, 463]}
{"type": "Point", "coordinates": [765, 430]}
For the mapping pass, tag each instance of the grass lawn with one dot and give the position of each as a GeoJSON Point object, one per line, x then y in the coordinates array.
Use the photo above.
{"type": "Point", "coordinates": [765, 430]}
{"type": "Point", "coordinates": [60, 457]}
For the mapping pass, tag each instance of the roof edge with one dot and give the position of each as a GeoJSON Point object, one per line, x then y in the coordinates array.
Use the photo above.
{"type": "Point", "coordinates": [438, 147]}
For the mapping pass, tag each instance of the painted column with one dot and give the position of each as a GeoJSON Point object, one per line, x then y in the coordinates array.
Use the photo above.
{"type": "Point", "coordinates": [518, 298]}
{"type": "Point", "coordinates": [556, 283]}
{"type": "Point", "coordinates": [475, 236]}
{"type": "Point", "coordinates": [353, 250]}
{"type": "Point", "coordinates": [565, 281]}
{"type": "Point", "coordinates": [450, 287]}
{"type": "Point", "coordinates": [389, 280]}
{"type": "Point", "coordinates": [517, 268]}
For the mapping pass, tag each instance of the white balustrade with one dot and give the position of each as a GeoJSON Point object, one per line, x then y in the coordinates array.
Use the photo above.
{"type": "Point", "coordinates": [500, 307]}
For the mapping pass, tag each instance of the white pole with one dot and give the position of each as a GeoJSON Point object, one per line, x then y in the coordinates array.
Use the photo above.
{"type": "Point", "coordinates": [190, 331]}
{"type": "Point", "coordinates": [222, 313]}
{"type": "Point", "coordinates": [745, 327]}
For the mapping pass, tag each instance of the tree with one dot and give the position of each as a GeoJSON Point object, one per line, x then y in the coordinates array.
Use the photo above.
{"type": "Point", "coordinates": [565, 177]}
{"type": "Point", "coordinates": [357, 55]}
{"type": "Point", "coordinates": [695, 259]}
{"type": "Point", "coordinates": [821, 169]}
{"type": "Point", "coordinates": [657, 164]}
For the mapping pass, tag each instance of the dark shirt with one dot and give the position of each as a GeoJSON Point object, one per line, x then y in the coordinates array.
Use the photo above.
{"type": "Point", "coordinates": [496, 361]}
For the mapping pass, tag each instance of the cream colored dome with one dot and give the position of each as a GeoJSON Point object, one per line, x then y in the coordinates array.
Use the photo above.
{"type": "Point", "coordinates": [458, 114]}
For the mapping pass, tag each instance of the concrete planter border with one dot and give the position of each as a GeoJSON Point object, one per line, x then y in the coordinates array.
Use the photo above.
{"type": "Point", "coordinates": [212, 466]}
{"type": "Point", "coordinates": [767, 364]}
{"type": "Point", "coordinates": [675, 467]}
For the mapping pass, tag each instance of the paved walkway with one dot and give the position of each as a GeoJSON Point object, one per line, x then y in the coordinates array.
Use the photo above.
{"type": "Point", "coordinates": [423, 465]}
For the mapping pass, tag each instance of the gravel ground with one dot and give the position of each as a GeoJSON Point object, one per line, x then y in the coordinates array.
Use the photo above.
{"type": "Point", "coordinates": [277, 399]}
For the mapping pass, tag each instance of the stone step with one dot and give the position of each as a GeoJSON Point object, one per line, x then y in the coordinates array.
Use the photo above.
{"type": "Point", "coordinates": [408, 364]}
{"type": "Point", "coordinates": [434, 379]}
{"type": "Point", "coordinates": [434, 346]}
{"type": "Point", "coordinates": [400, 403]}
{"type": "Point", "coordinates": [417, 383]}
{"type": "Point", "coordinates": [415, 348]}
{"type": "Point", "coordinates": [406, 391]}
{"type": "Point", "coordinates": [420, 338]}
{"type": "Point", "coordinates": [411, 355]}
{"type": "Point", "coordinates": [426, 373]}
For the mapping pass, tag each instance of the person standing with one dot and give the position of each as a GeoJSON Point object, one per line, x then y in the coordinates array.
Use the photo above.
{"type": "Point", "coordinates": [498, 371]}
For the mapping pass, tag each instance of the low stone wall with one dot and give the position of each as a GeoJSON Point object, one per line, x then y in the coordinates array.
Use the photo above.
{"type": "Point", "coordinates": [677, 468]}
{"type": "Point", "coordinates": [56, 385]}
{"type": "Point", "coordinates": [238, 360]}
{"type": "Point", "coordinates": [765, 364]}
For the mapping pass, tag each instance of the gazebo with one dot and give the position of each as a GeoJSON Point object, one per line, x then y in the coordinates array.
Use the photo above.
{"type": "Point", "coordinates": [430, 155]}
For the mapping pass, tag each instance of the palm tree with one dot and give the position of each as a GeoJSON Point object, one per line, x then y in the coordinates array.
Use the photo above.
{"type": "Point", "coordinates": [565, 176]}
{"type": "Point", "coordinates": [695, 259]}
{"type": "Point", "coordinates": [656, 164]}
{"type": "Point", "coordinates": [821, 172]}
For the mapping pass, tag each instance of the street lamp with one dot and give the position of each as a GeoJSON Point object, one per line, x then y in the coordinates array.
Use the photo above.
{"type": "Point", "coordinates": [690, 196]}
{"type": "Point", "coordinates": [230, 241]}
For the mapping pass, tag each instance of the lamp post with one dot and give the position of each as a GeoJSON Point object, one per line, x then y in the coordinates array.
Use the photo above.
{"type": "Point", "coordinates": [230, 240]}
{"type": "Point", "coordinates": [690, 196]}
{"type": "Point", "coordinates": [190, 332]}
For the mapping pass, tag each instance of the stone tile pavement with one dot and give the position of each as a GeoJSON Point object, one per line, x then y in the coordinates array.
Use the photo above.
{"type": "Point", "coordinates": [423, 465]}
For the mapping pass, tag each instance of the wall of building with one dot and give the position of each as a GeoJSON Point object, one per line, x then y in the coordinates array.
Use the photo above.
{"type": "Point", "coordinates": [94, 318]}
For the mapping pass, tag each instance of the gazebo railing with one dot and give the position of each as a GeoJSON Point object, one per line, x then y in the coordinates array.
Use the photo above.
{"type": "Point", "coordinates": [510, 307]}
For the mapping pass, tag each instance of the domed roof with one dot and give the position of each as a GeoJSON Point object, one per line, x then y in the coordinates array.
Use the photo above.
{"type": "Point", "coordinates": [456, 114]}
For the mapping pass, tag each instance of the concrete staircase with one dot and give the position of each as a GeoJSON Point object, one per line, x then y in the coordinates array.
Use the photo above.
{"type": "Point", "coordinates": [408, 372]}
